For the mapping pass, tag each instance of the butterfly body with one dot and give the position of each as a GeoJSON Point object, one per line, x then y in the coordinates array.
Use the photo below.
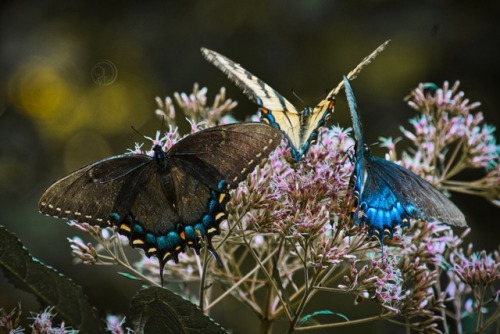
{"type": "Point", "coordinates": [171, 200]}
{"type": "Point", "coordinates": [299, 127]}
{"type": "Point", "coordinates": [387, 195]}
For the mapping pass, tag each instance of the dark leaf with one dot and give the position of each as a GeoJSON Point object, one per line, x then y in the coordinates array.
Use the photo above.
{"type": "Point", "coordinates": [158, 310]}
{"type": "Point", "coordinates": [49, 286]}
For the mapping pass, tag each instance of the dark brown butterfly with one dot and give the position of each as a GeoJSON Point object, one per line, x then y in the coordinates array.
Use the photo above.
{"type": "Point", "coordinates": [168, 201]}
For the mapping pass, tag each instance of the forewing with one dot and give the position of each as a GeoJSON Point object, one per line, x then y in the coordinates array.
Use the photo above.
{"type": "Point", "coordinates": [228, 152]}
{"type": "Point", "coordinates": [257, 90]}
{"type": "Point", "coordinates": [275, 109]}
{"type": "Point", "coordinates": [356, 122]}
{"type": "Point", "coordinates": [89, 193]}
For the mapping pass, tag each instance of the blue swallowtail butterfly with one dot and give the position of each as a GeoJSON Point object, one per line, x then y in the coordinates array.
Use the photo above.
{"type": "Point", "coordinates": [387, 195]}
{"type": "Point", "coordinates": [299, 127]}
{"type": "Point", "coordinates": [168, 201]}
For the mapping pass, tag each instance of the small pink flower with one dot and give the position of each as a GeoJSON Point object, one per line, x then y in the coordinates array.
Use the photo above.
{"type": "Point", "coordinates": [478, 268]}
{"type": "Point", "coordinates": [42, 323]}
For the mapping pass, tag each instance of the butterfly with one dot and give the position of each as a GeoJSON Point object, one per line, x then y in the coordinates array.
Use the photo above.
{"type": "Point", "coordinates": [299, 127]}
{"type": "Point", "coordinates": [167, 201]}
{"type": "Point", "coordinates": [387, 195]}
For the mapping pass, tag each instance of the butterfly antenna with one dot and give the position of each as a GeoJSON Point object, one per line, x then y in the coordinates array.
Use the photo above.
{"type": "Point", "coordinates": [162, 124]}
{"type": "Point", "coordinates": [137, 131]}
{"type": "Point", "coordinates": [144, 136]}
{"type": "Point", "coordinates": [297, 96]}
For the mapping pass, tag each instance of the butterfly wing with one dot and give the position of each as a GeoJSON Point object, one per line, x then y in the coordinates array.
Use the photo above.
{"type": "Point", "coordinates": [419, 198]}
{"type": "Point", "coordinates": [356, 122]}
{"type": "Point", "coordinates": [89, 194]}
{"type": "Point", "coordinates": [300, 128]}
{"type": "Point", "coordinates": [256, 89]}
{"type": "Point", "coordinates": [210, 162]}
{"type": "Point", "coordinates": [157, 212]}
{"type": "Point", "coordinates": [317, 117]}
{"type": "Point", "coordinates": [376, 202]}
{"type": "Point", "coordinates": [388, 195]}
{"type": "Point", "coordinates": [165, 202]}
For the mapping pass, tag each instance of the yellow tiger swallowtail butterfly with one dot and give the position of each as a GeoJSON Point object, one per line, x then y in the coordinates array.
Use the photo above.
{"type": "Point", "coordinates": [299, 127]}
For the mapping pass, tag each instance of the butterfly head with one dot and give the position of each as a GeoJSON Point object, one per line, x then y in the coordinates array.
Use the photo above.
{"type": "Point", "coordinates": [306, 112]}
{"type": "Point", "coordinates": [160, 156]}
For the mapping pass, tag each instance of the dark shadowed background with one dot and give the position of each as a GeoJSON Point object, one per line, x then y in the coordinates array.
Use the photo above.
{"type": "Point", "coordinates": [55, 118]}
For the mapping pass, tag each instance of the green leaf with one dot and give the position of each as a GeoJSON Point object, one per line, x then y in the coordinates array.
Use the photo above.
{"type": "Point", "coordinates": [158, 310]}
{"type": "Point", "coordinates": [48, 285]}
{"type": "Point", "coordinates": [129, 276]}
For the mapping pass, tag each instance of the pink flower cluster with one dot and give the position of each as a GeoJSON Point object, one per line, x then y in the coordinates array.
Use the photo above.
{"type": "Point", "coordinates": [291, 228]}
{"type": "Point", "coordinates": [448, 138]}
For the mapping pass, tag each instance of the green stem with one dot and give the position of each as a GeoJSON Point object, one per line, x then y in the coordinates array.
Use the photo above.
{"type": "Point", "coordinates": [268, 276]}
{"type": "Point", "coordinates": [458, 166]}
{"type": "Point", "coordinates": [241, 281]}
{"type": "Point", "coordinates": [480, 292]}
{"type": "Point", "coordinates": [115, 255]}
{"type": "Point", "coordinates": [304, 298]}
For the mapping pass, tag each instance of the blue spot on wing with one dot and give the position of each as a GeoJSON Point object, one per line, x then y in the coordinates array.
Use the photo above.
{"type": "Point", "coordinates": [379, 205]}
{"type": "Point", "coordinates": [164, 243]}
{"type": "Point", "coordinates": [380, 209]}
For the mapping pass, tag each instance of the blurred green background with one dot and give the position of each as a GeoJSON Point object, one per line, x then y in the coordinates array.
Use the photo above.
{"type": "Point", "coordinates": [55, 117]}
